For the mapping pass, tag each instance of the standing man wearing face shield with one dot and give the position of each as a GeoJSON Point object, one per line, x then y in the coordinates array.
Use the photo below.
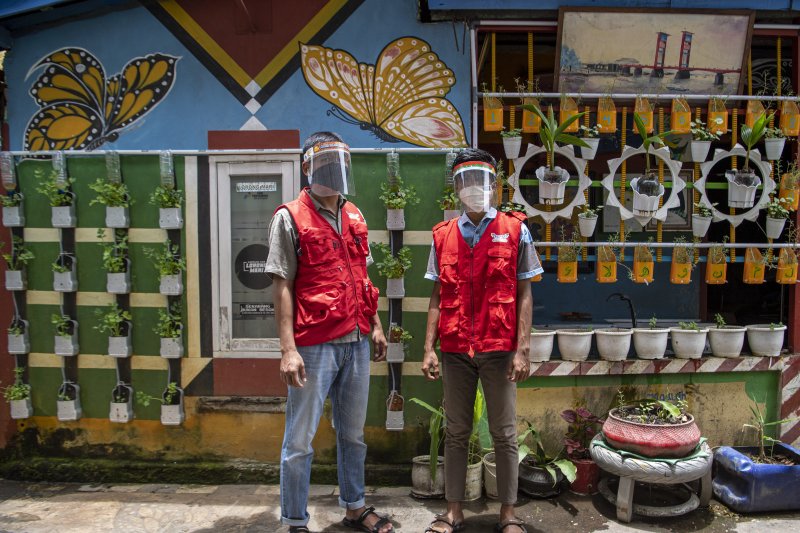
{"type": "Point", "coordinates": [326, 308]}
{"type": "Point", "coordinates": [480, 311]}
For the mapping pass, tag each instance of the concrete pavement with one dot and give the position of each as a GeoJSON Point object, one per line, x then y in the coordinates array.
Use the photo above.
{"type": "Point", "coordinates": [68, 508]}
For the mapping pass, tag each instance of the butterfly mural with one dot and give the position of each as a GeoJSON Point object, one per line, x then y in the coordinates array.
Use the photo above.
{"type": "Point", "coordinates": [399, 98]}
{"type": "Point", "coordinates": [80, 109]}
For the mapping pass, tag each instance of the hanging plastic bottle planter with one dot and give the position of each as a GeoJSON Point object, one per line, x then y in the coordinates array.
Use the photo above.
{"type": "Point", "coordinates": [121, 405]}
{"type": "Point", "coordinates": [398, 344]}
{"type": "Point", "coordinates": [172, 412]}
{"type": "Point", "coordinates": [65, 341]}
{"type": "Point", "coordinates": [68, 406]}
{"type": "Point", "coordinates": [65, 273]}
{"type": "Point", "coordinates": [680, 116]}
{"type": "Point", "coordinates": [18, 340]}
{"type": "Point", "coordinates": [63, 216]}
{"type": "Point", "coordinates": [394, 412]}
{"type": "Point", "coordinates": [13, 210]}
{"type": "Point", "coordinates": [790, 118]}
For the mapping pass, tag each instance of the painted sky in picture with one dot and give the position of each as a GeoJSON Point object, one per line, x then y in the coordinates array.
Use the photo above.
{"type": "Point", "coordinates": [629, 58]}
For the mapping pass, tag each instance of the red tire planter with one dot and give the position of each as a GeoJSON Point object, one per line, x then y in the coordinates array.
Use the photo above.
{"type": "Point", "coordinates": [676, 440]}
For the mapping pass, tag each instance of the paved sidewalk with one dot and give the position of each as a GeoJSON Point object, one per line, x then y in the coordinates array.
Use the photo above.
{"type": "Point", "coordinates": [66, 508]}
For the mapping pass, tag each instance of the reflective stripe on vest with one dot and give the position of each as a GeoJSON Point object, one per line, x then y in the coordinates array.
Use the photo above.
{"type": "Point", "coordinates": [332, 291]}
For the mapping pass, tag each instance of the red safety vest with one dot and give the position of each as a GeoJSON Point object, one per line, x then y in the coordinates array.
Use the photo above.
{"type": "Point", "coordinates": [478, 294]}
{"type": "Point", "coordinates": [332, 291]}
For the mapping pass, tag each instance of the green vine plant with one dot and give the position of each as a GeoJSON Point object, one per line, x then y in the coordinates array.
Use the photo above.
{"type": "Point", "coordinates": [19, 256]}
{"type": "Point", "coordinates": [170, 397]}
{"type": "Point", "coordinates": [449, 200]}
{"type": "Point", "coordinates": [114, 253]}
{"type": "Point", "coordinates": [11, 199]}
{"type": "Point", "coordinates": [399, 335]}
{"type": "Point", "coordinates": [393, 267]}
{"type": "Point", "coordinates": [169, 322]}
{"type": "Point", "coordinates": [19, 390]}
{"type": "Point", "coordinates": [112, 322]}
{"type": "Point", "coordinates": [167, 259]}
{"type": "Point", "coordinates": [62, 264]}
{"type": "Point", "coordinates": [166, 197]}
{"type": "Point", "coordinates": [396, 195]}
{"type": "Point", "coordinates": [49, 187]}
{"type": "Point", "coordinates": [110, 194]}
{"type": "Point", "coordinates": [63, 324]}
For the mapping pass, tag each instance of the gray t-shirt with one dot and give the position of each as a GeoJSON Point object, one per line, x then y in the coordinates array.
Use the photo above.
{"type": "Point", "coordinates": [283, 247]}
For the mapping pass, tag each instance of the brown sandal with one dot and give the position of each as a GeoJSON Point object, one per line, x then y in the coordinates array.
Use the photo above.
{"type": "Point", "coordinates": [455, 527]}
{"type": "Point", "coordinates": [501, 526]}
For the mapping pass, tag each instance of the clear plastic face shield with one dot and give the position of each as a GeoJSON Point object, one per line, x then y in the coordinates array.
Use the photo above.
{"type": "Point", "coordinates": [327, 166]}
{"type": "Point", "coordinates": [475, 182]}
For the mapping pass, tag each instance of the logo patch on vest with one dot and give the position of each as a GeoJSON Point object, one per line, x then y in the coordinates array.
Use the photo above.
{"type": "Point", "coordinates": [502, 237]}
{"type": "Point", "coordinates": [355, 216]}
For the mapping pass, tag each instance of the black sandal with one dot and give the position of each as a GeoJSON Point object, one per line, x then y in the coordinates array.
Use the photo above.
{"type": "Point", "coordinates": [299, 529]}
{"type": "Point", "coordinates": [501, 526]}
{"type": "Point", "coordinates": [455, 527]}
{"type": "Point", "coordinates": [358, 523]}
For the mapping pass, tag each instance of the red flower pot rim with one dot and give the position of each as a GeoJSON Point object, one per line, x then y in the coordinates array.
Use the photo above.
{"type": "Point", "coordinates": [626, 421]}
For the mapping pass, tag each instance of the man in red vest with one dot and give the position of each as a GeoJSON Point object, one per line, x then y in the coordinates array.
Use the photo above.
{"type": "Point", "coordinates": [326, 309]}
{"type": "Point", "coordinates": [480, 311]}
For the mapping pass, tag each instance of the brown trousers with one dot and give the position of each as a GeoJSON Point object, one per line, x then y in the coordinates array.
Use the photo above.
{"type": "Point", "coordinates": [460, 374]}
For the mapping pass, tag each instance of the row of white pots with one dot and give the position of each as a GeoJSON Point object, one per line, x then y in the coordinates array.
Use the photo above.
{"type": "Point", "coordinates": [116, 283]}
{"type": "Point", "coordinates": [65, 216]}
{"type": "Point", "coordinates": [613, 344]}
{"type": "Point", "coordinates": [773, 147]}
{"type": "Point", "coordinates": [512, 146]}
{"type": "Point", "coordinates": [701, 224]}
{"type": "Point", "coordinates": [67, 345]}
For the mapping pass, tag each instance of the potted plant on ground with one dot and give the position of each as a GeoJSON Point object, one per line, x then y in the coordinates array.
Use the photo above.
{"type": "Point", "coordinates": [66, 337]}
{"type": "Point", "coordinates": [574, 343]}
{"type": "Point", "coordinates": [591, 137]}
{"type": "Point", "coordinates": [427, 477]}
{"type": "Point", "coordinates": [701, 219]}
{"type": "Point", "coordinates": [170, 266]}
{"type": "Point", "coordinates": [683, 261]}
{"type": "Point", "coordinates": [395, 196]}
{"type": "Point", "coordinates": [701, 140]}
{"type": "Point", "coordinates": [449, 203]}
{"type": "Point", "coordinates": [16, 259]}
{"type": "Point", "coordinates": [717, 263]}
{"type": "Point", "coordinates": [758, 478]}
{"type": "Point", "coordinates": [583, 426]}
{"type": "Point", "coordinates": [512, 141]}
{"type": "Point", "coordinates": [540, 474]}
{"type": "Point", "coordinates": [726, 341]}
{"type": "Point", "coordinates": [393, 267]}
{"type": "Point", "coordinates": [168, 200]}
{"type": "Point", "coordinates": [742, 183]}
{"type": "Point", "coordinates": [65, 273]}
{"type": "Point", "coordinates": [169, 329]}
{"type": "Point", "coordinates": [652, 428]}
{"type": "Point", "coordinates": [121, 408]}
{"type": "Point", "coordinates": [116, 323]}
{"type": "Point", "coordinates": [68, 405]}
{"type": "Point", "coordinates": [766, 340]}
{"type": "Point", "coordinates": [18, 342]}
{"type": "Point", "coordinates": [777, 214]}
{"type": "Point", "coordinates": [613, 344]}
{"type": "Point", "coordinates": [116, 199]}
{"type": "Point", "coordinates": [172, 412]}
{"type": "Point", "coordinates": [587, 219]}
{"type": "Point", "coordinates": [116, 262]}
{"type": "Point", "coordinates": [13, 209]}
{"type": "Point", "coordinates": [541, 347]}
{"type": "Point", "coordinates": [646, 189]}
{"type": "Point", "coordinates": [688, 340]}
{"type": "Point", "coordinates": [480, 443]}
{"type": "Point", "coordinates": [62, 201]}
{"type": "Point", "coordinates": [553, 179]}
{"type": "Point", "coordinates": [18, 395]}
{"type": "Point", "coordinates": [650, 342]}
{"type": "Point", "coordinates": [399, 340]}
{"type": "Point", "coordinates": [774, 141]}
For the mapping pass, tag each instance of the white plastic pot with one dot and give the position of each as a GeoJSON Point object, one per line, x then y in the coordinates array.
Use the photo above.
{"type": "Point", "coordinates": [644, 205]}
{"type": "Point", "coordinates": [574, 344]}
{"type": "Point", "coordinates": [552, 193]}
{"type": "Point", "coordinates": [395, 288]}
{"type": "Point", "coordinates": [21, 409]}
{"type": "Point", "coordinates": [67, 345]}
{"type": "Point", "coordinates": [700, 150]}
{"type": "Point", "coordinates": [765, 340]}
{"type": "Point", "coordinates": [117, 217]}
{"type": "Point", "coordinates": [613, 343]}
{"type": "Point", "coordinates": [700, 226]}
{"type": "Point", "coordinates": [650, 343]}
{"type": "Point", "coordinates": [395, 352]}
{"type": "Point", "coordinates": [16, 280]}
{"type": "Point", "coordinates": [63, 216]}
{"type": "Point", "coordinates": [586, 225]}
{"type": "Point", "coordinates": [474, 485]}
{"type": "Point", "coordinates": [68, 410]}
{"type": "Point", "coordinates": [774, 148]}
{"type": "Point", "coordinates": [591, 151]}
{"type": "Point", "coordinates": [395, 219]}
{"type": "Point", "coordinates": [171, 285]}
{"type": "Point", "coordinates": [118, 282]}
{"type": "Point", "coordinates": [490, 475]}
{"type": "Point", "coordinates": [395, 421]}
{"type": "Point", "coordinates": [173, 415]}
{"type": "Point", "coordinates": [511, 146]}
{"type": "Point", "coordinates": [422, 485]}
{"type": "Point", "coordinates": [171, 347]}
{"type": "Point", "coordinates": [120, 346]}
{"type": "Point", "coordinates": [170, 218]}
{"type": "Point", "coordinates": [66, 281]}
{"type": "Point", "coordinates": [688, 343]}
{"type": "Point", "coordinates": [726, 341]}
{"type": "Point", "coordinates": [14, 216]}
{"type": "Point", "coordinates": [775, 227]}
{"type": "Point", "coordinates": [18, 344]}
{"type": "Point", "coordinates": [741, 196]}
{"type": "Point", "coordinates": [121, 412]}
{"type": "Point", "coordinates": [451, 213]}
{"type": "Point", "coordinates": [541, 345]}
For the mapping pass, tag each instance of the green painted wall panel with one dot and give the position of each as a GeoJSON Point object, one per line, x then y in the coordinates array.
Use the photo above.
{"type": "Point", "coordinates": [41, 331]}
{"type": "Point", "coordinates": [144, 277]}
{"type": "Point", "coordinates": [40, 275]}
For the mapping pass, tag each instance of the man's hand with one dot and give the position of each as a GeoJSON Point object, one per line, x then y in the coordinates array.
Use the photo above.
{"type": "Point", "coordinates": [520, 367]}
{"type": "Point", "coordinates": [378, 342]}
{"type": "Point", "coordinates": [430, 365]}
{"type": "Point", "coordinates": [293, 370]}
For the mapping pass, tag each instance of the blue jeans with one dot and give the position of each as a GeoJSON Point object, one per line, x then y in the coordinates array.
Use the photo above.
{"type": "Point", "coordinates": [340, 371]}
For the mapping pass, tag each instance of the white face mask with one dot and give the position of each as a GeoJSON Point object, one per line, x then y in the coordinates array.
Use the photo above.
{"type": "Point", "coordinates": [475, 199]}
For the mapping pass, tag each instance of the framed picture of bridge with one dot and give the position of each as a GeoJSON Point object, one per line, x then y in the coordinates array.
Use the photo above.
{"type": "Point", "coordinates": [651, 51]}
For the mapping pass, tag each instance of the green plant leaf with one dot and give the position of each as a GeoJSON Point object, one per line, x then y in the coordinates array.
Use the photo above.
{"type": "Point", "coordinates": [671, 408]}
{"type": "Point", "coordinates": [567, 468]}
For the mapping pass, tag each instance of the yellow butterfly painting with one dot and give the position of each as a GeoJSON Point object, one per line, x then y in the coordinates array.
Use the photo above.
{"type": "Point", "coordinates": [80, 109]}
{"type": "Point", "coordinates": [400, 98]}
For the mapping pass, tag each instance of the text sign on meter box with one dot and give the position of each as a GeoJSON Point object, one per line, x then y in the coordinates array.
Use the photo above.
{"type": "Point", "coordinates": [256, 186]}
